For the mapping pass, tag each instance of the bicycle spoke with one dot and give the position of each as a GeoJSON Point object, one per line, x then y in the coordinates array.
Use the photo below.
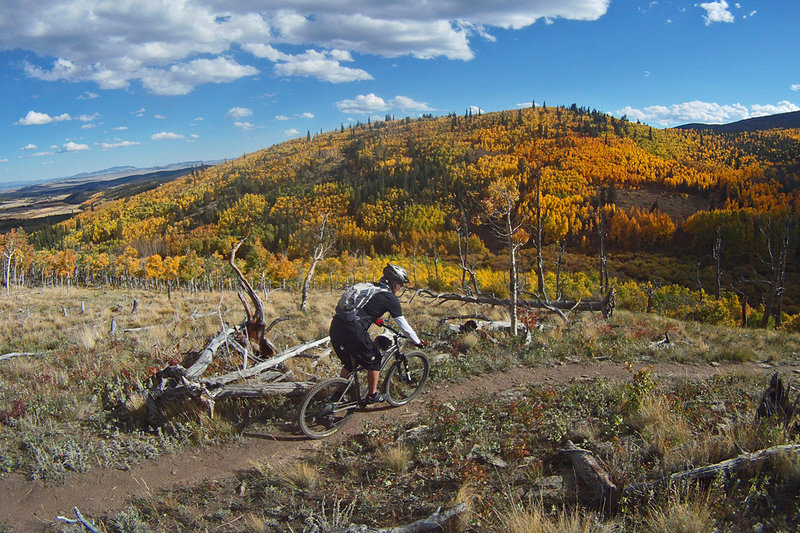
{"type": "Point", "coordinates": [406, 377]}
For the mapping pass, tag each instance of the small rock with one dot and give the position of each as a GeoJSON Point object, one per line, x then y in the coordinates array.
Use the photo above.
{"type": "Point", "coordinates": [479, 453]}
{"type": "Point", "coordinates": [413, 433]}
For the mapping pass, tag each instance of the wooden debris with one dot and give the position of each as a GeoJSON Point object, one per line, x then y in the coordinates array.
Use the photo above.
{"type": "Point", "coordinates": [587, 468]}
{"type": "Point", "coordinates": [19, 354]}
{"type": "Point", "coordinates": [605, 305]}
{"type": "Point", "coordinates": [431, 523]}
{"type": "Point", "coordinates": [81, 520]}
{"type": "Point", "coordinates": [775, 401]}
{"type": "Point", "coordinates": [175, 384]}
{"type": "Point", "coordinates": [741, 463]}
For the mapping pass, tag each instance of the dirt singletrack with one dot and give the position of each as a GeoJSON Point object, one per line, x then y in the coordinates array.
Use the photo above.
{"type": "Point", "coordinates": [28, 506]}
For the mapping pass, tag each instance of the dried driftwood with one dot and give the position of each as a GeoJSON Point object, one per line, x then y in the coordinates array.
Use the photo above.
{"type": "Point", "coordinates": [431, 523]}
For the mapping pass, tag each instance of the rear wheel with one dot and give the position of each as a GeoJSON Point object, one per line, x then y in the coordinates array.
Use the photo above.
{"type": "Point", "coordinates": [406, 377]}
{"type": "Point", "coordinates": [327, 407]}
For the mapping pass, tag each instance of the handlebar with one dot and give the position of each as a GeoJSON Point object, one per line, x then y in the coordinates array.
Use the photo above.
{"type": "Point", "coordinates": [382, 323]}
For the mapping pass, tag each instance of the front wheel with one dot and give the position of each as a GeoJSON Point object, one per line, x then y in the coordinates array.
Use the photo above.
{"type": "Point", "coordinates": [327, 407]}
{"type": "Point", "coordinates": [406, 377]}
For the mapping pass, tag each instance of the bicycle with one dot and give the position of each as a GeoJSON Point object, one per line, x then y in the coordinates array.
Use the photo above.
{"type": "Point", "coordinates": [328, 406]}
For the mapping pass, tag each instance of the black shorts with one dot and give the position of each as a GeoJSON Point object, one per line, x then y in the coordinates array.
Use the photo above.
{"type": "Point", "coordinates": [350, 339]}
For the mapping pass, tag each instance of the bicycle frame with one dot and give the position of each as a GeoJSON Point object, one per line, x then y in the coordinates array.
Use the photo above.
{"type": "Point", "coordinates": [392, 353]}
{"type": "Point", "coordinates": [330, 403]}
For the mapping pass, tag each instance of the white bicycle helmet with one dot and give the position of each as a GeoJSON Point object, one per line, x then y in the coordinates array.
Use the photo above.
{"type": "Point", "coordinates": [395, 273]}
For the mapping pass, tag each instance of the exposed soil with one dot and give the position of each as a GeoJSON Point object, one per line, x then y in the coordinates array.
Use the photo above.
{"type": "Point", "coordinates": [33, 506]}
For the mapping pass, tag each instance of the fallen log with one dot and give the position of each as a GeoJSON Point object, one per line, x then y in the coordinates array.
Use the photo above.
{"type": "Point", "coordinates": [258, 390]}
{"type": "Point", "coordinates": [431, 523]}
{"type": "Point", "coordinates": [604, 305]}
{"type": "Point", "coordinates": [593, 475]}
{"type": "Point", "coordinates": [19, 354]}
{"type": "Point", "coordinates": [740, 463]}
{"type": "Point", "coordinates": [264, 365]}
{"type": "Point", "coordinates": [207, 355]}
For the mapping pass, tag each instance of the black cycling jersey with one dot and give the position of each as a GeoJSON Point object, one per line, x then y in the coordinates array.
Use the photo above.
{"type": "Point", "coordinates": [350, 339]}
{"type": "Point", "coordinates": [377, 306]}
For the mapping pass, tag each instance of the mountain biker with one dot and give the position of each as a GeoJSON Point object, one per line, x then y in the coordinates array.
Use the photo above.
{"type": "Point", "coordinates": [350, 338]}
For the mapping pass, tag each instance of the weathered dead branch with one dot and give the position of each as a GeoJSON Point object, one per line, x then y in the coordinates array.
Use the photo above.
{"type": "Point", "coordinates": [742, 463]}
{"type": "Point", "coordinates": [265, 365]}
{"type": "Point", "coordinates": [431, 523]}
{"type": "Point", "coordinates": [604, 305]}
{"type": "Point", "coordinates": [19, 354]}
{"type": "Point", "coordinates": [81, 520]}
{"type": "Point", "coordinates": [255, 327]}
{"type": "Point", "coordinates": [175, 384]}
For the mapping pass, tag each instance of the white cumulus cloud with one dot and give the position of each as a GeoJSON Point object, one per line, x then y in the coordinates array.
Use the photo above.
{"type": "Point", "coordinates": [172, 47]}
{"type": "Point", "coordinates": [704, 112]}
{"type": "Point", "coordinates": [34, 118]}
{"type": "Point", "coordinates": [166, 136]}
{"type": "Point", "coordinates": [717, 12]}
{"type": "Point", "coordinates": [238, 112]}
{"type": "Point", "coordinates": [291, 132]}
{"type": "Point", "coordinates": [370, 103]}
{"type": "Point", "coordinates": [71, 146]}
{"type": "Point", "coordinates": [244, 125]}
{"type": "Point", "coordinates": [117, 144]}
{"type": "Point", "coordinates": [29, 147]}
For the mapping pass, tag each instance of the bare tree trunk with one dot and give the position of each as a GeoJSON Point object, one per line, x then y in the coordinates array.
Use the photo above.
{"type": "Point", "coordinates": [717, 253]}
{"type": "Point", "coordinates": [307, 282]}
{"type": "Point", "coordinates": [8, 271]}
{"type": "Point", "coordinates": [562, 246]}
{"type": "Point", "coordinates": [512, 274]}
{"type": "Point", "coordinates": [539, 238]}
{"type": "Point", "coordinates": [601, 230]}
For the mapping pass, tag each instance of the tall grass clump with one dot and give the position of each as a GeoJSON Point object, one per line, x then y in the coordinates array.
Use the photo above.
{"type": "Point", "coordinates": [681, 513]}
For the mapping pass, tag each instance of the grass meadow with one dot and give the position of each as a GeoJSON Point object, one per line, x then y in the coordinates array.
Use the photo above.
{"type": "Point", "coordinates": [75, 404]}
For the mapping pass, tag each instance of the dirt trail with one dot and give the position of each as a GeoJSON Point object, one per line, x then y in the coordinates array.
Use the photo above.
{"type": "Point", "coordinates": [33, 506]}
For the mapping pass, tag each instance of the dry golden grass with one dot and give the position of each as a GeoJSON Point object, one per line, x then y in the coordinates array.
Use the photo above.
{"type": "Point", "coordinates": [681, 513]}
{"type": "Point", "coordinates": [299, 475]}
{"type": "Point", "coordinates": [396, 459]}
{"type": "Point", "coordinates": [662, 427]}
{"type": "Point", "coordinates": [460, 523]}
{"type": "Point", "coordinates": [533, 519]}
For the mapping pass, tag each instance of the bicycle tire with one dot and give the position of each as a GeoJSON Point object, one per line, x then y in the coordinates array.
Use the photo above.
{"type": "Point", "coordinates": [397, 386]}
{"type": "Point", "coordinates": [319, 417]}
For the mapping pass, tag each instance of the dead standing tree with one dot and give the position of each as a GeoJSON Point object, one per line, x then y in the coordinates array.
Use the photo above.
{"type": "Point", "coordinates": [254, 325]}
{"type": "Point", "coordinates": [323, 241]}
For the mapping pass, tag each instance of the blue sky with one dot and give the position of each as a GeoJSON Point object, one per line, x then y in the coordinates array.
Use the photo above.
{"type": "Point", "coordinates": [92, 84]}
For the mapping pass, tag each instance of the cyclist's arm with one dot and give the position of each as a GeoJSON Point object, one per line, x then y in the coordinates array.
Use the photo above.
{"type": "Point", "coordinates": [406, 328]}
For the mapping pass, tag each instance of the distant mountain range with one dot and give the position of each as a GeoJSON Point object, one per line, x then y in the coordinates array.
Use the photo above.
{"type": "Point", "coordinates": [70, 183]}
{"type": "Point", "coordinates": [781, 120]}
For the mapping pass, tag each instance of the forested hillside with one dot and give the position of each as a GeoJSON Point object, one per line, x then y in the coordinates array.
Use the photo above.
{"type": "Point", "coordinates": [576, 192]}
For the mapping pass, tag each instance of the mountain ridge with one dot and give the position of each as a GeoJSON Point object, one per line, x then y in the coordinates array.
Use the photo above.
{"type": "Point", "coordinates": [780, 120]}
